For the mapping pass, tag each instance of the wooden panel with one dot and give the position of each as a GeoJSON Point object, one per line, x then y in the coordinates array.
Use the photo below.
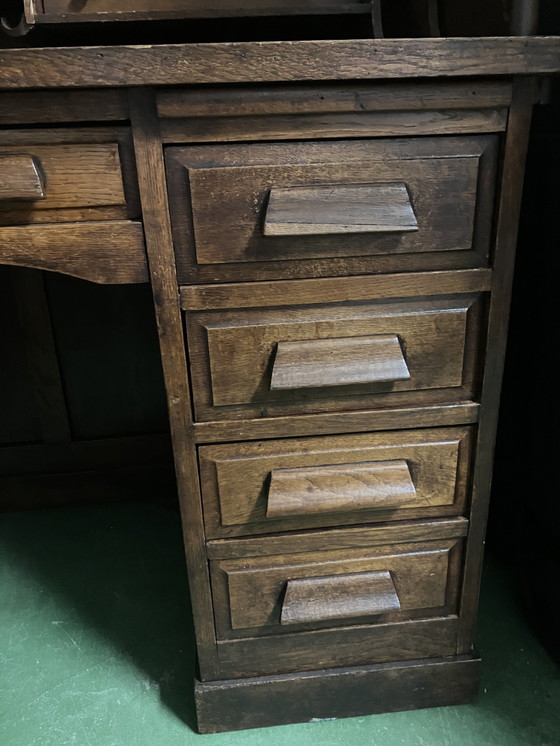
{"type": "Point", "coordinates": [168, 64]}
{"type": "Point", "coordinates": [232, 355]}
{"type": "Point", "coordinates": [358, 98]}
{"type": "Point", "coordinates": [76, 176]}
{"type": "Point", "coordinates": [323, 648]}
{"type": "Point", "coordinates": [21, 178]}
{"type": "Point", "coordinates": [249, 593]}
{"type": "Point", "coordinates": [336, 489]}
{"type": "Point", "coordinates": [292, 483]}
{"type": "Point", "coordinates": [109, 252]}
{"type": "Point", "coordinates": [230, 185]}
{"type": "Point", "coordinates": [339, 596]}
{"type": "Point", "coordinates": [340, 539]}
{"type": "Point", "coordinates": [336, 422]}
{"type": "Point", "coordinates": [377, 208]}
{"type": "Point", "coordinates": [231, 295]}
{"type": "Point", "coordinates": [52, 107]}
{"type": "Point", "coordinates": [334, 693]}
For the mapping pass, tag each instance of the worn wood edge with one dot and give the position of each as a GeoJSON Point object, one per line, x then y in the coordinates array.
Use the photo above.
{"type": "Point", "coordinates": [239, 62]}
{"type": "Point", "coordinates": [105, 252]}
{"type": "Point", "coordinates": [159, 246]}
{"type": "Point", "coordinates": [333, 423]}
{"type": "Point", "coordinates": [338, 538]}
{"type": "Point", "coordinates": [509, 207]}
{"type": "Point", "coordinates": [55, 107]}
{"type": "Point", "coordinates": [356, 287]}
{"type": "Point", "coordinates": [335, 693]}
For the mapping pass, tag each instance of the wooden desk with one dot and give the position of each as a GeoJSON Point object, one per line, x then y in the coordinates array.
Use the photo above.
{"type": "Point", "coordinates": [329, 231]}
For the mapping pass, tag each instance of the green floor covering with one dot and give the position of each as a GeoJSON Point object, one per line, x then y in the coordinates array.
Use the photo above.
{"type": "Point", "coordinates": [96, 647]}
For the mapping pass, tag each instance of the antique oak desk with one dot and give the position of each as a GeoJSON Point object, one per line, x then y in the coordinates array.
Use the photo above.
{"type": "Point", "coordinates": [329, 231]}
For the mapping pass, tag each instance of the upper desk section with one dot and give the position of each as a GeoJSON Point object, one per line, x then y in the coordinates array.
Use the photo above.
{"type": "Point", "coordinates": [279, 61]}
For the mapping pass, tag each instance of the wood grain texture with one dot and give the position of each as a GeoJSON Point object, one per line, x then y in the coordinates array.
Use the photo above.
{"type": "Point", "coordinates": [58, 107]}
{"type": "Point", "coordinates": [21, 177]}
{"type": "Point", "coordinates": [91, 67]}
{"type": "Point", "coordinates": [340, 539]}
{"type": "Point", "coordinates": [245, 103]}
{"type": "Point", "coordinates": [339, 596]}
{"type": "Point", "coordinates": [109, 252]}
{"type": "Point", "coordinates": [233, 355]}
{"type": "Point", "coordinates": [159, 247]}
{"type": "Point", "coordinates": [358, 421]}
{"type": "Point", "coordinates": [287, 293]}
{"type": "Point", "coordinates": [281, 485]}
{"type": "Point", "coordinates": [504, 256]}
{"type": "Point", "coordinates": [379, 208]}
{"type": "Point", "coordinates": [337, 489]}
{"type": "Point", "coordinates": [249, 594]}
{"type": "Point", "coordinates": [338, 362]}
{"type": "Point", "coordinates": [338, 647]}
{"type": "Point", "coordinates": [339, 692]}
{"type": "Point", "coordinates": [222, 217]}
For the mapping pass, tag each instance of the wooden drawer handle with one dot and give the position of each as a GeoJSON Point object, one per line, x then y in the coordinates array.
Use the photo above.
{"type": "Point", "coordinates": [21, 178]}
{"type": "Point", "coordinates": [366, 208]}
{"type": "Point", "coordinates": [313, 363]}
{"type": "Point", "coordinates": [339, 597]}
{"type": "Point", "coordinates": [341, 487]}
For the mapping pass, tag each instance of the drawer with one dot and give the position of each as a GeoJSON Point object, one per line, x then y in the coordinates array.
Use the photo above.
{"type": "Point", "coordinates": [339, 585]}
{"type": "Point", "coordinates": [328, 357]}
{"type": "Point", "coordinates": [46, 179]}
{"type": "Point", "coordinates": [293, 483]}
{"type": "Point", "coordinates": [270, 206]}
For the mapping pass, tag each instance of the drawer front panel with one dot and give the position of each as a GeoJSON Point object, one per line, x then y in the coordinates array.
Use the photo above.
{"type": "Point", "coordinates": [293, 202]}
{"type": "Point", "coordinates": [261, 362]}
{"type": "Point", "coordinates": [73, 182]}
{"type": "Point", "coordinates": [279, 485]}
{"type": "Point", "coordinates": [314, 590]}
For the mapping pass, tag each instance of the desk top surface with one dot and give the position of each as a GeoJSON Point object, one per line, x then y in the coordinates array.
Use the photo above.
{"type": "Point", "coordinates": [252, 62]}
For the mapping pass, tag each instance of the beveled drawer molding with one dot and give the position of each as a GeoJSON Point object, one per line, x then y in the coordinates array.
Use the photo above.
{"type": "Point", "coordinates": [233, 356]}
{"type": "Point", "coordinates": [418, 196]}
{"type": "Point", "coordinates": [281, 485]}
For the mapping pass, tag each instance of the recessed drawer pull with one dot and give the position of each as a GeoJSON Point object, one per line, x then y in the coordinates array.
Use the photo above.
{"type": "Point", "coordinates": [318, 210]}
{"type": "Point", "coordinates": [21, 177]}
{"type": "Point", "coordinates": [313, 363]}
{"type": "Point", "coordinates": [339, 597]}
{"type": "Point", "coordinates": [342, 487]}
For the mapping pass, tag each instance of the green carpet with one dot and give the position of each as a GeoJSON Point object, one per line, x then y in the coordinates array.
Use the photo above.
{"type": "Point", "coordinates": [96, 647]}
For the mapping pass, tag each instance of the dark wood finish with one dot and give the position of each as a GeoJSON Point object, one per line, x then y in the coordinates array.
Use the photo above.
{"type": "Point", "coordinates": [105, 252]}
{"type": "Point", "coordinates": [336, 489]}
{"type": "Point", "coordinates": [159, 247]}
{"type": "Point", "coordinates": [309, 482]}
{"type": "Point", "coordinates": [410, 285]}
{"type": "Point", "coordinates": [250, 593]}
{"type": "Point", "coordinates": [21, 177]}
{"type": "Point", "coordinates": [336, 422]}
{"type": "Point", "coordinates": [506, 240]}
{"type": "Point", "coordinates": [196, 64]}
{"type": "Point", "coordinates": [232, 355]}
{"type": "Point", "coordinates": [338, 647]}
{"type": "Point", "coordinates": [340, 692]}
{"type": "Point", "coordinates": [339, 596]}
{"type": "Point", "coordinates": [58, 107]}
{"type": "Point", "coordinates": [221, 196]}
{"type": "Point", "coordinates": [377, 208]}
{"type": "Point", "coordinates": [338, 362]}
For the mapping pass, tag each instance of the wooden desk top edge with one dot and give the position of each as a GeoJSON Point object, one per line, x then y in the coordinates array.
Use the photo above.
{"type": "Point", "coordinates": [279, 61]}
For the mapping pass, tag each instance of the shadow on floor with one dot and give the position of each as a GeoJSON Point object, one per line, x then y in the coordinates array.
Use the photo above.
{"type": "Point", "coordinates": [121, 569]}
